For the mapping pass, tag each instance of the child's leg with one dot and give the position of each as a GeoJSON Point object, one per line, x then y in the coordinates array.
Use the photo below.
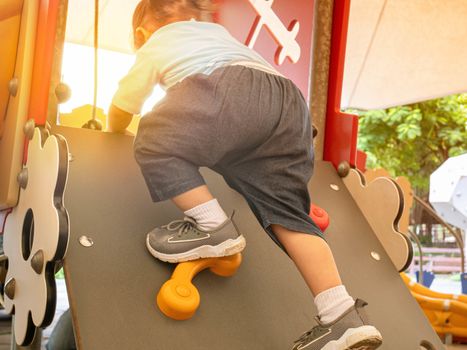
{"type": "Point", "coordinates": [315, 261]}
{"type": "Point", "coordinates": [337, 311]}
{"type": "Point", "coordinates": [205, 232]}
{"type": "Point", "coordinates": [313, 258]}
{"type": "Point", "coordinates": [193, 198]}
{"type": "Point", "coordinates": [199, 204]}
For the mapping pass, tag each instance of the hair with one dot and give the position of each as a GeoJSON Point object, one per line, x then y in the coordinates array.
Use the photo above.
{"type": "Point", "coordinates": [168, 11]}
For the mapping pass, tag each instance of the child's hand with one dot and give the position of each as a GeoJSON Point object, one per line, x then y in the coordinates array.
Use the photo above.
{"type": "Point", "coordinates": [123, 132]}
{"type": "Point", "coordinates": [119, 120]}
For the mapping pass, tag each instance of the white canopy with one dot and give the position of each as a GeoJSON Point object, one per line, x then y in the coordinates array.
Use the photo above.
{"type": "Point", "coordinates": [115, 17]}
{"type": "Point", "coordinates": [404, 51]}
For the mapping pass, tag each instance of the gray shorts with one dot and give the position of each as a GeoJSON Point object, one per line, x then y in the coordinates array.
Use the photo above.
{"type": "Point", "coordinates": [251, 127]}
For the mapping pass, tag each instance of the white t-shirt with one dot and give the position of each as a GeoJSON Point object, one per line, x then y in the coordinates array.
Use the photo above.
{"type": "Point", "coordinates": [177, 51]}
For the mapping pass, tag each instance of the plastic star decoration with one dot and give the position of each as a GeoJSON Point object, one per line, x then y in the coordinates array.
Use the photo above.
{"type": "Point", "coordinates": [36, 236]}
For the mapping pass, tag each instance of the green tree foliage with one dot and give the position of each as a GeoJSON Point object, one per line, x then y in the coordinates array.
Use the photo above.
{"type": "Point", "coordinates": [414, 140]}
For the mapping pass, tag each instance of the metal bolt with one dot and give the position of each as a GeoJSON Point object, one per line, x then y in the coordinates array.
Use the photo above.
{"type": "Point", "coordinates": [10, 287]}
{"type": "Point", "coordinates": [375, 256]}
{"type": "Point", "coordinates": [86, 241]}
{"type": "Point", "coordinates": [62, 92]}
{"type": "Point", "coordinates": [22, 178]}
{"type": "Point", "coordinates": [37, 262]}
{"type": "Point", "coordinates": [315, 131]}
{"type": "Point", "coordinates": [29, 128]}
{"type": "Point", "coordinates": [13, 87]}
{"type": "Point", "coordinates": [343, 169]}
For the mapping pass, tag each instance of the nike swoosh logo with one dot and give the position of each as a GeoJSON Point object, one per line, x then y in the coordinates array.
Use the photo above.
{"type": "Point", "coordinates": [171, 240]}
{"type": "Point", "coordinates": [300, 347]}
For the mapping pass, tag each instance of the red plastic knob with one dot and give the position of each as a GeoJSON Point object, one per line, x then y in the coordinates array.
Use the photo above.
{"type": "Point", "coordinates": [320, 217]}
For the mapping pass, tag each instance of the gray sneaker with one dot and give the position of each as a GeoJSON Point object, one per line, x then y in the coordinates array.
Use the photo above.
{"type": "Point", "coordinates": [349, 332]}
{"type": "Point", "coordinates": [184, 240]}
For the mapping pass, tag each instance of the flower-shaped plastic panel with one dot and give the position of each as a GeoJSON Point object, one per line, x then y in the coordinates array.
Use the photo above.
{"type": "Point", "coordinates": [381, 202]}
{"type": "Point", "coordinates": [36, 236]}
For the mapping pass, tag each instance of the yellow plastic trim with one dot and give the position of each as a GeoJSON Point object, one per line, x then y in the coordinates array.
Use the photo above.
{"type": "Point", "coordinates": [178, 298]}
{"type": "Point", "coordinates": [447, 313]}
{"type": "Point", "coordinates": [10, 8]}
{"type": "Point", "coordinates": [422, 290]}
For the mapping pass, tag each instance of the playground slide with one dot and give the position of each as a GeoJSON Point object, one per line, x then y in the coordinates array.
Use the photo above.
{"type": "Point", "coordinates": [447, 312]}
{"type": "Point", "coordinates": [113, 282]}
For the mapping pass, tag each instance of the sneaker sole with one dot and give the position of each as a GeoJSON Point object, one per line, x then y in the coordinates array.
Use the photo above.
{"type": "Point", "coordinates": [361, 338]}
{"type": "Point", "coordinates": [226, 248]}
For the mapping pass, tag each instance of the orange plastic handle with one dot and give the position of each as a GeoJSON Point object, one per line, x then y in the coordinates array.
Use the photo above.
{"type": "Point", "coordinates": [178, 298]}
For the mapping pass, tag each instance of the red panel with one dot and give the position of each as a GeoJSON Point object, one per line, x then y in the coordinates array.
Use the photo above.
{"type": "Point", "coordinates": [361, 160]}
{"type": "Point", "coordinates": [239, 16]}
{"type": "Point", "coordinates": [340, 142]}
{"type": "Point", "coordinates": [43, 59]}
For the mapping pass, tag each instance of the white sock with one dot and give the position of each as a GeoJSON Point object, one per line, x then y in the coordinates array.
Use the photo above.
{"type": "Point", "coordinates": [332, 303]}
{"type": "Point", "coordinates": [208, 215]}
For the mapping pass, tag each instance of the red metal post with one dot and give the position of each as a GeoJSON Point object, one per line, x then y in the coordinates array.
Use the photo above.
{"type": "Point", "coordinates": [340, 142]}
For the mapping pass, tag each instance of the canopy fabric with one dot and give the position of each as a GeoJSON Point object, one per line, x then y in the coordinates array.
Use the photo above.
{"type": "Point", "coordinates": [398, 51]}
{"type": "Point", "coordinates": [401, 52]}
{"type": "Point", "coordinates": [115, 32]}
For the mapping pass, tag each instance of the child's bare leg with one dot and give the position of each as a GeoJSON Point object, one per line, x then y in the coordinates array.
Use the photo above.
{"type": "Point", "coordinates": [311, 254]}
{"type": "Point", "coordinates": [336, 308]}
{"type": "Point", "coordinates": [193, 198]}
{"type": "Point", "coordinates": [313, 258]}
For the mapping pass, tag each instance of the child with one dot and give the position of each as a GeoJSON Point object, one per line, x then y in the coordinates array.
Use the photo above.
{"type": "Point", "coordinates": [227, 109]}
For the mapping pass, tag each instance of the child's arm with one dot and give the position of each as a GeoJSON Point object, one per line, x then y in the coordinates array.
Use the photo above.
{"type": "Point", "coordinates": [133, 90]}
{"type": "Point", "coordinates": [118, 119]}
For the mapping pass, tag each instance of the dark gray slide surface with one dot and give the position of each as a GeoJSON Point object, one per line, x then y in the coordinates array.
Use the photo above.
{"type": "Point", "coordinates": [112, 285]}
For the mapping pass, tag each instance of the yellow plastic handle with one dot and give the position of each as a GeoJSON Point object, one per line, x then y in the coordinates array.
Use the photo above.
{"type": "Point", "coordinates": [178, 298]}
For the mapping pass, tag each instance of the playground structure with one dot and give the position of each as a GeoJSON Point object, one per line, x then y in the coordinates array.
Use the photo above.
{"type": "Point", "coordinates": [448, 195]}
{"type": "Point", "coordinates": [112, 281]}
{"type": "Point", "coordinates": [447, 312]}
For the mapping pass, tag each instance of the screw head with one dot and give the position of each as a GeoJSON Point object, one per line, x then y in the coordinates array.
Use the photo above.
{"type": "Point", "coordinates": [62, 92]}
{"type": "Point", "coordinates": [13, 87]}
{"type": "Point", "coordinates": [86, 241]}
{"type": "Point", "coordinates": [9, 288]}
{"type": "Point", "coordinates": [37, 262]}
{"type": "Point", "coordinates": [343, 169]}
{"type": "Point", "coordinates": [375, 256]}
{"type": "Point", "coordinates": [22, 178]}
{"type": "Point", "coordinates": [28, 128]}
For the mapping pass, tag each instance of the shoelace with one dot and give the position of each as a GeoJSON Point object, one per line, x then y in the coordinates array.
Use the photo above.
{"type": "Point", "coordinates": [183, 226]}
{"type": "Point", "coordinates": [306, 336]}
